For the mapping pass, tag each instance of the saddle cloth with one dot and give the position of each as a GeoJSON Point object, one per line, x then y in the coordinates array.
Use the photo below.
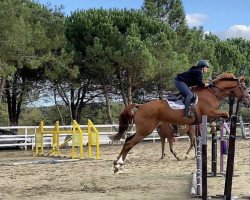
{"type": "Point", "coordinates": [178, 102]}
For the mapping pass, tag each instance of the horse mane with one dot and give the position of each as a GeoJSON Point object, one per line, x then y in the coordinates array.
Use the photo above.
{"type": "Point", "coordinates": [225, 76]}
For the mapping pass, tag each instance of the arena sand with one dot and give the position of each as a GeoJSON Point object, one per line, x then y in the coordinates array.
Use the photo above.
{"type": "Point", "coordinates": [144, 176]}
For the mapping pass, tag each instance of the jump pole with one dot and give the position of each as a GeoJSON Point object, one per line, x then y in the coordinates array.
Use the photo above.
{"type": "Point", "coordinates": [214, 154]}
{"type": "Point", "coordinates": [198, 159]}
{"type": "Point", "coordinates": [199, 182]}
{"type": "Point", "coordinates": [223, 139]}
{"type": "Point", "coordinates": [221, 154]}
{"type": "Point", "coordinates": [230, 159]}
{"type": "Point", "coordinates": [204, 157]}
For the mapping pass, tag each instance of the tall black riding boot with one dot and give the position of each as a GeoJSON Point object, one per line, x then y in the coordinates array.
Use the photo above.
{"type": "Point", "coordinates": [187, 105]}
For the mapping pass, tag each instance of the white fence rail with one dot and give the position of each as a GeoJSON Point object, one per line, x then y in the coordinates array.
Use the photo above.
{"type": "Point", "coordinates": [26, 135]}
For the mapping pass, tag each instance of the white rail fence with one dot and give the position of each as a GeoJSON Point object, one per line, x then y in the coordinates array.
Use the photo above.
{"type": "Point", "coordinates": [25, 137]}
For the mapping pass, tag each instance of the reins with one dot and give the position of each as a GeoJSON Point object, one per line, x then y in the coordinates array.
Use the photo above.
{"type": "Point", "coordinates": [224, 92]}
{"type": "Point", "coordinates": [212, 89]}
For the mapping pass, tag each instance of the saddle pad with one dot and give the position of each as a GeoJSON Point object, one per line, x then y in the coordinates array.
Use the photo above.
{"type": "Point", "coordinates": [179, 104]}
{"type": "Point", "coordinates": [176, 104]}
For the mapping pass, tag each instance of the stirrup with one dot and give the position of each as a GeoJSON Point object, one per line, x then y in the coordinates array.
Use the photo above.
{"type": "Point", "coordinates": [187, 117]}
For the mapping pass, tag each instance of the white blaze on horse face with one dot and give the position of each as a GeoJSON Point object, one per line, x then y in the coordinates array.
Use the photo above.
{"type": "Point", "coordinates": [120, 161]}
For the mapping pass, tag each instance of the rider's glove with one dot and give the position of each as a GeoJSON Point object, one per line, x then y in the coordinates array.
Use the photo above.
{"type": "Point", "coordinates": [211, 84]}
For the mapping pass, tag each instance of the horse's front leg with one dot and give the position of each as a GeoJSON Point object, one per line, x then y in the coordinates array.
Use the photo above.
{"type": "Point", "coordinates": [119, 161]}
{"type": "Point", "coordinates": [120, 154]}
{"type": "Point", "coordinates": [190, 147]}
{"type": "Point", "coordinates": [219, 113]}
{"type": "Point", "coordinates": [118, 164]}
{"type": "Point", "coordinates": [192, 142]}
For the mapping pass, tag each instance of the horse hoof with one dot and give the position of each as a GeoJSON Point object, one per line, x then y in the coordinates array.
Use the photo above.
{"type": "Point", "coordinates": [116, 169]}
{"type": "Point", "coordinates": [115, 162]}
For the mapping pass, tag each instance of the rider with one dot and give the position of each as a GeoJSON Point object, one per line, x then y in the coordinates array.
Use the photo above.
{"type": "Point", "coordinates": [192, 77]}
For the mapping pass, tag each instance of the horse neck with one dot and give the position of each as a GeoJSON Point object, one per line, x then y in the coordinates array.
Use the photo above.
{"type": "Point", "coordinates": [227, 84]}
{"type": "Point", "coordinates": [224, 87]}
{"type": "Point", "coordinates": [204, 92]}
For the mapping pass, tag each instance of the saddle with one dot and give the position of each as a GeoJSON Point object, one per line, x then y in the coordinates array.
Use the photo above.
{"type": "Point", "coordinates": [176, 100]}
{"type": "Point", "coordinates": [174, 97]}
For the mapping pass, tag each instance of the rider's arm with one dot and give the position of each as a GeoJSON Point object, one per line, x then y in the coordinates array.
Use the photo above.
{"type": "Point", "coordinates": [199, 76]}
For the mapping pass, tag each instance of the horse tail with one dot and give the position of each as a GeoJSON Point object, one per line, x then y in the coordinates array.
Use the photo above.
{"type": "Point", "coordinates": [125, 120]}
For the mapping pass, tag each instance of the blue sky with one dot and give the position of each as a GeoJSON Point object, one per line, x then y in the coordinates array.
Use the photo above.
{"type": "Point", "coordinates": [222, 17]}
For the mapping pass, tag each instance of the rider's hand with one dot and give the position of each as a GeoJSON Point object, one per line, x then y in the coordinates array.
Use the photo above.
{"type": "Point", "coordinates": [211, 84]}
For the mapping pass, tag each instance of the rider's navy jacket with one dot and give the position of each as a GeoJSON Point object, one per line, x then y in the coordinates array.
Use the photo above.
{"type": "Point", "coordinates": [192, 77]}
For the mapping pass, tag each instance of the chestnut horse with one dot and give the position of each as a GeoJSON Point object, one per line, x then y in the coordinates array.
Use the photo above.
{"type": "Point", "coordinates": [150, 114]}
{"type": "Point", "coordinates": [166, 131]}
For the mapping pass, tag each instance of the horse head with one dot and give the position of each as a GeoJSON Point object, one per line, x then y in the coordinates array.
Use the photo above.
{"type": "Point", "coordinates": [229, 85]}
{"type": "Point", "coordinates": [241, 90]}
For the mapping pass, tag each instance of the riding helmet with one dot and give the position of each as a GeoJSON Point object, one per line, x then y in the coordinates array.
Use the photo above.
{"type": "Point", "coordinates": [202, 64]}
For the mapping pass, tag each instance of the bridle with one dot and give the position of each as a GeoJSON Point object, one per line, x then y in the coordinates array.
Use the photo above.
{"type": "Point", "coordinates": [214, 89]}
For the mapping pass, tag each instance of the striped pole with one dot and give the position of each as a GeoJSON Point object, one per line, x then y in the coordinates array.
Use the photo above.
{"type": "Point", "coordinates": [198, 159]}
{"type": "Point", "coordinates": [204, 157]}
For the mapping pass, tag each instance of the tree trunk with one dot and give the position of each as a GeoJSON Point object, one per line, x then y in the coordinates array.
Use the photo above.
{"type": "Point", "coordinates": [129, 87]}
{"type": "Point", "coordinates": [122, 88]}
{"type": "Point", "coordinates": [73, 105]}
{"type": "Point", "coordinates": [108, 107]}
{"type": "Point", "coordinates": [73, 111]}
{"type": "Point", "coordinates": [2, 85]}
{"type": "Point", "coordinates": [79, 110]}
{"type": "Point", "coordinates": [160, 91]}
{"type": "Point", "coordinates": [58, 109]}
{"type": "Point", "coordinates": [14, 102]}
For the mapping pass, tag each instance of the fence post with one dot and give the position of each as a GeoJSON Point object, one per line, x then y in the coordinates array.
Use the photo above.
{"type": "Point", "coordinates": [214, 154]}
{"type": "Point", "coordinates": [242, 128]}
{"type": "Point", "coordinates": [26, 137]}
{"type": "Point", "coordinates": [230, 159]}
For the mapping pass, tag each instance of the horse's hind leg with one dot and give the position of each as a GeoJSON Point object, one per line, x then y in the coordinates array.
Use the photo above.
{"type": "Point", "coordinates": [129, 144]}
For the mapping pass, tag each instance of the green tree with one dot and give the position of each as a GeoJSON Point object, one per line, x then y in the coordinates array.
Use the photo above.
{"type": "Point", "coordinates": [122, 33]}
{"type": "Point", "coordinates": [228, 58]}
{"type": "Point", "coordinates": [169, 11]}
{"type": "Point", "coordinates": [29, 44]}
{"type": "Point", "coordinates": [243, 46]}
{"type": "Point", "coordinates": [7, 24]}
